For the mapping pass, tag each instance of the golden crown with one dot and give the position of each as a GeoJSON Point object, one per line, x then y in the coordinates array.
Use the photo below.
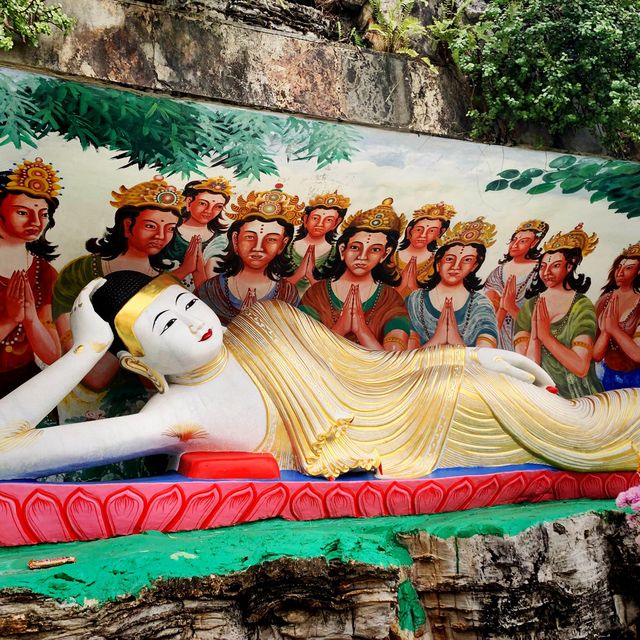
{"type": "Point", "coordinates": [538, 227]}
{"type": "Point", "coordinates": [330, 201]}
{"type": "Point", "coordinates": [380, 218]}
{"type": "Point", "coordinates": [35, 178]}
{"type": "Point", "coordinates": [274, 204]}
{"type": "Point", "coordinates": [437, 211]}
{"type": "Point", "coordinates": [214, 185]}
{"type": "Point", "coordinates": [632, 251]}
{"type": "Point", "coordinates": [473, 232]}
{"type": "Point", "coordinates": [576, 238]}
{"type": "Point", "coordinates": [155, 193]}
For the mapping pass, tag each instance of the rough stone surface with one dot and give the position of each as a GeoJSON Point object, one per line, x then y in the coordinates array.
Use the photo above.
{"type": "Point", "coordinates": [156, 47]}
{"type": "Point", "coordinates": [563, 580]}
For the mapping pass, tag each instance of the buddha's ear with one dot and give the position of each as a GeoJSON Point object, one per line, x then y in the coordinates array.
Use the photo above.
{"type": "Point", "coordinates": [136, 365]}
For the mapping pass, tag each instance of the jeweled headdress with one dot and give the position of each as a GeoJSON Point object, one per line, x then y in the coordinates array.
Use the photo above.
{"type": "Point", "coordinates": [632, 251]}
{"type": "Point", "coordinates": [473, 232]}
{"type": "Point", "coordinates": [380, 218]}
{"type": "Point", "coordinates": [330, 201]}
{"type": "Point", "coordinates": [214, 185]}
{"type": "Point", "coordinates": [539, 227]}
{"type": "Point", "coordinates": [274, 204]}
{"type": "Point", "coordinates": [155, 194]}
{"type": "Point", "coordinates": [437, 211]}
{"type": "Point", "coordinates": [576, 238]}
{"type": "Point", "coordinates": [36, 179]}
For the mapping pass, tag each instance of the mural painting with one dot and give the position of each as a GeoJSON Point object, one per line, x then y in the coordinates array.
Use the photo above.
{"type": "Point", "coordinates": [396, 242]}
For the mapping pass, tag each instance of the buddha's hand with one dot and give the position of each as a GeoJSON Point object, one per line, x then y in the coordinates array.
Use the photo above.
{"type": "Point", "coordinates": [87, 327]}
{"type": "Point", "coordinates": [511, 364]}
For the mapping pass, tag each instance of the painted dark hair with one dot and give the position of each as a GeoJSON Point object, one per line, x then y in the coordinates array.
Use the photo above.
{"type": "Point", "coordinates": [572, 281]}
{"type": "Point", "coordinates": [433, 245]}
{"type": "Point", "coordinates": [216, 225]}
{"type": "Point", "coordinates": [107, 300]}
{"type": "Point", "coordinates": [280, 267]}
{"type": "Point", "coordinates": [534, 252]}
{"type": "Point", "coordinates": [470, 282]}
{"type": "Point", "coordinates": [114, 242]}
{"type": "Point", "coordinates": [611, 280]}
{"type": "Point", "coordinates": [335, 266]}
{"type": "Point", "coordinates": [330, 236]}
{"type": "Point", "coordinates": [40, 247]}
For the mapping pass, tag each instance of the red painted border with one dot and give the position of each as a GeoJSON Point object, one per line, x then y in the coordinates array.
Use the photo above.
{"type": "Point", "coordinates": [32, 513]}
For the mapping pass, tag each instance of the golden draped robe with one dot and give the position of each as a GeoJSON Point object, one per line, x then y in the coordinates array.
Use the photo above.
{"type": "Point", "coordinates": [344, 407]}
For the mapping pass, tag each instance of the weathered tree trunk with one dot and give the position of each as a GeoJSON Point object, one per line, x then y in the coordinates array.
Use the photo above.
{"type": "Point", "coordinates": [575, 578]}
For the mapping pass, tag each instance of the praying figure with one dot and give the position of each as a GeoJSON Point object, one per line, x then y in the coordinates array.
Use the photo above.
{"type": "Point", "coordinates": [449, 308]}
{"type": "Point", "coordinates": [356, 297]}
{"type": "Point", "coordinates": [255, 265]}
{"type": "Point", "coordinates": [314, 240]}
{"type": "Point", "coordinates": [618, 311]}
{"type": "Point", "coordinates": [508, 282]}
{"type": "Point", "coordinates": [28, 201]}
{"type": "Point", "coordinates": [557, 324]}
{"type": "Point", "coordinates": [418, 246]}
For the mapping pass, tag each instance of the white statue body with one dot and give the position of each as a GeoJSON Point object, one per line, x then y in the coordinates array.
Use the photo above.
{"type": "Point", "coordinates": [211, 402]}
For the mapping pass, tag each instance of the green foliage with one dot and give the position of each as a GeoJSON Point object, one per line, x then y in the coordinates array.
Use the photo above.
{"type": "Point", "coordinates": [396, 27]}
{"type": "Point", "coordinates": [25, 20]}
{"type": "Point", "coordinates": [616, 181]}
{"type": "Point", "coordinates": [169, 136]}
{"type": "Point", "coordinates": [563, 65]}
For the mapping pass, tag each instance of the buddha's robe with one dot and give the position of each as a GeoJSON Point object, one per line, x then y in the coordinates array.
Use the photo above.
{"type": "Point", "coordinates": [343, 407]}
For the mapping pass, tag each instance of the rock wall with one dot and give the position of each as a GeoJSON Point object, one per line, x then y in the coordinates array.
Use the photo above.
{"type": "Point", "coordinates": [573, 578]}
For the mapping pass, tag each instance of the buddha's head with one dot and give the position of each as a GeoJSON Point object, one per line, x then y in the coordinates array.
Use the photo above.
{"type": "Point", "coordinates": [159, 325]}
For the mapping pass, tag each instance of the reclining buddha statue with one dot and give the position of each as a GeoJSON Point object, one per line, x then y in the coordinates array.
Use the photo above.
{"type": "Point", "coordinates": [278, 381]}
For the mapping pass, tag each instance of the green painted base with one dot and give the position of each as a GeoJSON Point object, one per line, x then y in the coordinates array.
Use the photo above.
{"type": "Point", "coordinates": [107, 569]}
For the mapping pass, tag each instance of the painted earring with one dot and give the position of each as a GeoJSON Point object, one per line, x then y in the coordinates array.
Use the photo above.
{"type": "Point", "coordinates": [135, 365]}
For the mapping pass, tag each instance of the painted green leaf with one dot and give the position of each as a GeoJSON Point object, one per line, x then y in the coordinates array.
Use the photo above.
{"type": "Point", "coordinates": [531, 173]}
{"type": "Point", "coordinates": [562, 162]}
{"type": "Point", "coordinates": [597, 196]}
{"type": "Point", "coordinates": [588, 170]}
{"type": "Point", "coordinates": [541, 188]}
{"type": "Point", "coordinates": [497, 185]}
{"type": "Point", "coordinates": [520, 183]}
{"type": "Point", "coordinates": [575, 182]}
{"type": "Point", "coordinates": [555, 176]}
{"type": "Point", "coordinates": [509, 174]}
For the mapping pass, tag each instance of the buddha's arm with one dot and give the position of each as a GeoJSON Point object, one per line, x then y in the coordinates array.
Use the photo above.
{"type": "Point", "coordinates": [103, 373]}
{"type": "Point", "coordinates": [510, 363]}
{"type": "Point", "coordinates": [34, 399]}
{"type": "Point", "coordinates": [32, 453]}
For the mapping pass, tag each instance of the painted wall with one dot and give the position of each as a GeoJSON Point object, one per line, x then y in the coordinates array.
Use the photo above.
{"type": "Point", "coordinates": [97, 139]}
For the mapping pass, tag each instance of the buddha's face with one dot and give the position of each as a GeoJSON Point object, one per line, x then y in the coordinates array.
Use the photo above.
{"type": "Point", "coordinates": [320, 221]}
{"type": "Point", "coordinates": [626, 272]}
{"type": "Point", "coordinates": [178, 332]}
{"type": "Point", "coordinates": [457, 263]}
{"type": "Point", "coordinates": [521, 243]}
{"type": "Point", "coordinates": [424, 232]}
{"type": "Point", "coordinates": [205, 206]}
{"type": "Point", "coordinates": [23, 217]}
